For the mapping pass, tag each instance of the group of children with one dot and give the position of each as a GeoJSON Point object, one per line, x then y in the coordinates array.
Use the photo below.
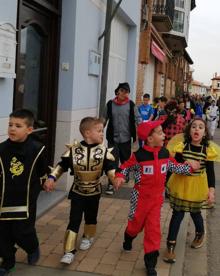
{"type": "Point", "coordinates": [23, 174]}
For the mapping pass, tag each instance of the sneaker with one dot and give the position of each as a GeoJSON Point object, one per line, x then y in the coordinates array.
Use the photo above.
{"type": "Point", "coordinates": [198, 240]}
{"type": "Point", "coordinates": [110, 190]}
{"type": "Point", "coordinates": [33, 257]}
{"type": "Point", "coordinates": [169, 256]}
{"type": "Point", "coordinates": [86, 243]}
{"type": "Point", "coordinates": [67, 258]}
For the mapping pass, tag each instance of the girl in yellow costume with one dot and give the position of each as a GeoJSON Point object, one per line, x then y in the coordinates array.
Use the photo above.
{"type": "Point", "coordinates": [189, 193]}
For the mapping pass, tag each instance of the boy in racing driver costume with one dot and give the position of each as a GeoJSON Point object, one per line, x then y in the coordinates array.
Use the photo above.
{"type": "Point", "coordinates": [150, 165]}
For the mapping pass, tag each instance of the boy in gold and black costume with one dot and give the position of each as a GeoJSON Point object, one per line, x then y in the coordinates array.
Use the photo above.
{"type": "Point", "coordinates": [22, 170]}
{"type": "Point", "coordinates": [87, 160]}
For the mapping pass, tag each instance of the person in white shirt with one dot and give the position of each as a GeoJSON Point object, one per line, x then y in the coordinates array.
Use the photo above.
{"type": "Point", "coordinates": [212, 116]}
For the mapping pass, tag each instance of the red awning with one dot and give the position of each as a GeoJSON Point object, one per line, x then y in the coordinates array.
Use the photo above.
{"type": "Point", "coordinates": [157, 52]}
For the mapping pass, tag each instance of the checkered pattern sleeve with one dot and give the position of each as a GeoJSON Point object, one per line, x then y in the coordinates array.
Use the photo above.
{"type": "Point", "coordinates": [126, 167]}
{"type": "Point", "coordinates": [179, 168]}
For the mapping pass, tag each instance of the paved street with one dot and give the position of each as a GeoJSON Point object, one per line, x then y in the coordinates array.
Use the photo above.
{"type": "Point", "coordinates": [106, 257]}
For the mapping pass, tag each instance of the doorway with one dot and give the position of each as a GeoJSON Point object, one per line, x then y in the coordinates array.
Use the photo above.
{"type": "Point", "coordinates": [37, 66]}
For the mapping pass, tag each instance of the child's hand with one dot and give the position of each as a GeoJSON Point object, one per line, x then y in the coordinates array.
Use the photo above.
{"type": "Point", "coordinates": [194, 164]}
{"type": "Point", "coordinates": [49, 185]}
{"type": "Point", "coordinates": [211, 195]}
{"type": "Point", "coordinates": [118, 182]}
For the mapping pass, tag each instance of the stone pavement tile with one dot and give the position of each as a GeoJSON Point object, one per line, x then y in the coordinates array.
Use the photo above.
{"type": "Point", "coordinates": [46, 249]}
{"type": "Point", "coordinates": [106, 256]}
{"type": "Point", "coordinates": [107, 234]}
{"type": "Point", "coordinates": [113, 228]}
{"type": "Point", "coordinates": [115, 246]}
{"type": "Point", "coordinates": [129, 256]}
{"type": "Point", "coordinates": [52, 260]}
{"type": "Point", "coordinates": [105, 269]}
{"type": "Point", "coordinates": [88, 265]}
{"type": "Point", "coordinates": [122, 273]}
{"type": "Point", "coordinates": [58, 249]}
{"type": "Point", "coordinates": [124, 265]}
{"type": "Point", "coordinates": [96, 252]}
{"type": "Point", "coordinates": [110, 258]}
{"type": "Point", "coordinates": [73, 266]}
{"type": "Point", "coordinates": [103, 243]}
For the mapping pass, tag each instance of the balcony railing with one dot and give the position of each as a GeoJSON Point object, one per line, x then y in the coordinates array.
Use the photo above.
{"type": "Point", "coordinates": [163, 11]}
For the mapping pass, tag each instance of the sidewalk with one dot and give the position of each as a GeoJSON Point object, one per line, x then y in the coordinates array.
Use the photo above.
{"type": "Point", "coordinates": [106, 257]}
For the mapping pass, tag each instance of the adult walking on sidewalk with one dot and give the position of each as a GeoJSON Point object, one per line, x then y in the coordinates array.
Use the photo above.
{"type": "Point", "coordinates": [189, 193]}
{"type": "Point", "coordinates": [120, 115]}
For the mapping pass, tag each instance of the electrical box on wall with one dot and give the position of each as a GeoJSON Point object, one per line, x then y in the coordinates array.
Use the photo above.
{"type": "Point", "coordinates": [94, 63]}
{"type": "Point", "coordinates": [7, 50]}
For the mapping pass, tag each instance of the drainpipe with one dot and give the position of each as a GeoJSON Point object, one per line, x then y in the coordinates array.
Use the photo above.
{"type": "Point", "coordinates": [105, 62]}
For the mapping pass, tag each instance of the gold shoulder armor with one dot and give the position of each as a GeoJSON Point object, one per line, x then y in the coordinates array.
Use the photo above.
{"type": "Point", "coordinates": [109, 154]}
{"type": "Point", "coordinates": [69, 146]}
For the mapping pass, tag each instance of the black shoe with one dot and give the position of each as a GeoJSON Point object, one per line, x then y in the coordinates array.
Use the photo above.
{"type": "Point", "coordinates": [34, 257]}
{"type": "Point", "coordinates": [150, 260]}
{"type": "Point", "coordinates": [127, 244]}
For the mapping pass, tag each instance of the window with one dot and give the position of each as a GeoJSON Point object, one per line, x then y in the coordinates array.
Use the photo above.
{"type": "Point", "coordinates": [179, 4]}
{"type": "Point", "coordinates": [218, 84]}
{"type": "Point", "coordinates": [178, 21]}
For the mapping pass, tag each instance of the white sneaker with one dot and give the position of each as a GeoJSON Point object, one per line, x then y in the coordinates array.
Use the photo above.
{"type": "Point", "coordinates": [86, 243]}
{"type": "Point", "coordinates": [67, 258]}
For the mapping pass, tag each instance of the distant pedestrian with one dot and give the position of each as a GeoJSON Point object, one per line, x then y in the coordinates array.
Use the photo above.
{"type": "Point", "coordinates": [150, 164]}
{"type": "Point", "coordinates": [145, 109]}
{"type": "Point", "coordinates": [189, 193]}
{"type": "Point", "coordinates": [212, 117]}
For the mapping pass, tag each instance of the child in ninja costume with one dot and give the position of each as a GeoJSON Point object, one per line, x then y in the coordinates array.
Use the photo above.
{"type": "Point", "coordinates": [86, 160]}
{"type": "Point", "coordinates": [150, 165]}
{"type": "Point", "coordinates": [22, 172]}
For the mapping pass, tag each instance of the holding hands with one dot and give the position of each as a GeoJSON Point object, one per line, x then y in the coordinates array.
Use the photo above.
{"type": "Point", "coordinates": [118, 182]}
{"type": "Point", "coordinates": [194, 164]}
{"type": "Point", "coordinates": [49, 185]}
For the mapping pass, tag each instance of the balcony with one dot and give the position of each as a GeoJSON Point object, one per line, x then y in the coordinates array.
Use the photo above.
{"type": "Point", "coordinates": [162, 16]}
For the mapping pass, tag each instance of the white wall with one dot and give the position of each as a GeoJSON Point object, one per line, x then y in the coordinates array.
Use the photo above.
{"type": "Point", "coordinates": [8, 13]}
{"type": "Point", "coordinates": [79, 92]}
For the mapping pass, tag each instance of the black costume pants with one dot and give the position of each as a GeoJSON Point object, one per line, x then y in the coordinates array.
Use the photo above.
{"type": "Point", "coordinates": [176, 220]}
{"type": "Point", "coordinates": [20, 232]}
{"type": "Point", "coordinates": [122, 152]}
{"type": "Point", "coordinates": [83, 205]}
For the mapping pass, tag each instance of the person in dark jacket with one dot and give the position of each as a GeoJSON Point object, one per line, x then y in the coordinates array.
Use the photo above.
{"type": "Point", "coordinates": [120, 116]}
{"type": "Point", "coordinates": [22, 172]}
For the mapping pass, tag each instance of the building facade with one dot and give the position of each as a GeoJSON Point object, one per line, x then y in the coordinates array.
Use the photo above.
{"type": "Point", "coordinates": [215, 86]}
{"type": "Point", "coordinates": [164, 64]}
{"type": "Point", "coordinates": [58, 57]}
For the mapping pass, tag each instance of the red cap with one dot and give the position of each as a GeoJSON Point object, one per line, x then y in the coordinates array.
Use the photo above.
{"type": "Point", "coordinates": [144, 129]}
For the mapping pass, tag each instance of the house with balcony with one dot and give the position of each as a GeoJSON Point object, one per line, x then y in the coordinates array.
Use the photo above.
{"type": "Point", "coordinates": [164, 64]}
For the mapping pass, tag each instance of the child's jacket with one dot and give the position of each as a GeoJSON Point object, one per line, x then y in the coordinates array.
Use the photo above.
{"type": "Point", "coordinates": [22, 170]}
{"type": "Point", "coordinates": [150, 166]}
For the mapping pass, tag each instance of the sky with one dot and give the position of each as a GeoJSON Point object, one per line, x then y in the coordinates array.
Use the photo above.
{"type": "Point", "coordinates": [204, 40]}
